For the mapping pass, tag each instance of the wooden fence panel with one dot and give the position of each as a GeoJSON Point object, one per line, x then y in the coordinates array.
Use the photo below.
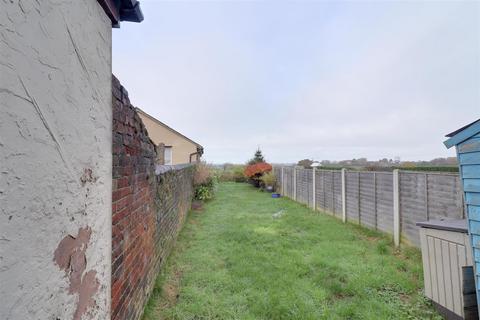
{"type": "Point", "coordinates": [413, 204]}
{"type": "Point", "coordinates": [445, 197]}
{"type": "Point", "coordinates": [304, 186]}
{"type": "Point", "coordinates": [309, 176]}
{"type": "Point", "coordinates": [320, 190]}
{"type": "Point", "coordinates": [384, 196]}
{"type": "Point", "coordinates": [277, 171]}
{"type": "Point", "coordinates": [352, 196]}
{"type": "Point", "coordinates": [288, 176]}
{"type": "Point", "coordinates": [301, 185]}
{"type": "Point", "coordinates": [329, 195]}
{"type": "Point", "coordinates": [368, 216]}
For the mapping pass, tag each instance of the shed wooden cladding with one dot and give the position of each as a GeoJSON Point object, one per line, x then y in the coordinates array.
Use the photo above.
{"type": "Point", "coordinates": [444, 253]}
{"type": "Point", "coordinates": [467, 143]}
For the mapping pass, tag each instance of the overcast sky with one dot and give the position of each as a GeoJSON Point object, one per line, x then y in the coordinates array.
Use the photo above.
{"type": "Point", "coordinates": [321, 80]}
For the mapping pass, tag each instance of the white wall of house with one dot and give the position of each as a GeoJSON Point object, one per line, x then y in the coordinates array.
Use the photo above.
{"type": "Point", "coordinates": [55, 160]}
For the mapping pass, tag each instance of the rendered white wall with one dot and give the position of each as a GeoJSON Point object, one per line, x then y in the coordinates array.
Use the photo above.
{"type": "Point", "coordinates": [55, 160]}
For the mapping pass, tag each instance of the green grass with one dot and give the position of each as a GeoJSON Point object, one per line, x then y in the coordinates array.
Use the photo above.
{"type": "Point", "coordinates": [233, 260]}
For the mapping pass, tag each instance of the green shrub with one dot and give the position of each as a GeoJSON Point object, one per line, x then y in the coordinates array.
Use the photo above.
{"type": "Point", "coordinates": [204, 182]}
{"type": "Point", "coordinates": [225, 175]}
{"type": "Point", "coordinates": [268, 179]}
{"type": "Point", "coordinates": [233, 173]}
{"type": "Point", "coordinates": [238, 175]}
{"type": "Point", "coordinates": [204, 193]}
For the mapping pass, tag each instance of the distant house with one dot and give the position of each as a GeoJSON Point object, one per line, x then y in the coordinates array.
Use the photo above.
{"type": "Point", "coordinates": [174, 147]}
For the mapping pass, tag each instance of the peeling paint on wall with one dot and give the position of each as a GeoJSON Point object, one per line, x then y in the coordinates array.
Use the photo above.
{"type": "Point", "coordinates": [70, 256]}
{"type": "Point", "coordinates": [87, 176]}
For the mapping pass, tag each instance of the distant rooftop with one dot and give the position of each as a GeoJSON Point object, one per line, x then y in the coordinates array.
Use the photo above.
{"type": "Point", "coordinates": [168, 127]}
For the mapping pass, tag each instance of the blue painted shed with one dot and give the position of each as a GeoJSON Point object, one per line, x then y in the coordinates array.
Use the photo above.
{"type": "Point", "coordinates": [467, 143]}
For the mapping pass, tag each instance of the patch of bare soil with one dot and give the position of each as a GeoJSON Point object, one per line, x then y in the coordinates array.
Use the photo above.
{"type": "Point", "coordinates": [171, 289]}
{"type": "Point", "coordinates": [197, 206]}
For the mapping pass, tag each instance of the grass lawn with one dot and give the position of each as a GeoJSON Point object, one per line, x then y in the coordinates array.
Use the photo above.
{"type": "Point", "coordinates": [233, 260]}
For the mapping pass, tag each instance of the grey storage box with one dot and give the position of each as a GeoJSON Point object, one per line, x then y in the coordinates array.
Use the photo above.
{"type": "Point", "coordinates": [445, 252]}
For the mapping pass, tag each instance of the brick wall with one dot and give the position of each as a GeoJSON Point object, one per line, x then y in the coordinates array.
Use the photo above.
{"type": "Point", "coordinates": [148, 209]}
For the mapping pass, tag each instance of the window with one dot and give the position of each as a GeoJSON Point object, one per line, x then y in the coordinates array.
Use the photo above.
{"type": "Point", "coordinates": [168, 155]}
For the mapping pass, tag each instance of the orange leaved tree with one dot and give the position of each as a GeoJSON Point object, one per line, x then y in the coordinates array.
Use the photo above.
{"type": "Point", "coordinates": [255, 171]}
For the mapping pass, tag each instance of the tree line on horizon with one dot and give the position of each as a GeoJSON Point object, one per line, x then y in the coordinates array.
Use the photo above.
{"type": "Point", "coordinates": [437, 164]}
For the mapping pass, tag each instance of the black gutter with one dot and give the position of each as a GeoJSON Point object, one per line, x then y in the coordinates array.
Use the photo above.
{"type": "Point", "coordinates": [122, 10]}
{"type": "Point", "coordinates": [130, 11]}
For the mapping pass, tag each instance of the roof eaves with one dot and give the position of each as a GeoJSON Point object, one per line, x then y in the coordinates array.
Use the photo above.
{"type": "Point", "coordinates": [130, 11]}
{"type": "Point", "coordinates": [122, 10]}
{"type": "Point", "coordinates": [462, 134]}
{"type": "Point", "coordinates": [111, 10]}
{"type": "Point", "coordinates": [168, 127]}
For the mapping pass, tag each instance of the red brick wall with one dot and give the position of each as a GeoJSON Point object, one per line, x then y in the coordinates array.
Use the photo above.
{"type": "Point", "coordinates": [148, 209]}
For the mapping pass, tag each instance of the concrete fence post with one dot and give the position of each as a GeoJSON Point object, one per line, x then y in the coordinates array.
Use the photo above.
{"type": "Point", "coordinates": [396, 207]}
{"type": "Point", "coordinates": [295, 183]}
{"type": "Point", "coordinates": [344, 196]}
{"type": "Point", "coordinates": [283, 182]}
{"type": "Point", "coordinates": [314, 205]}
{"type": "Point", "coordinates": [333, 192]}
{"type": "Point", "coordinates": [358, 200]}
{"type": "Point", "coordinates": [427, 213]}
{"type": "Point", "coordinates": [375, 199]}
{"type": "Point", "coordinates": [324, 173]}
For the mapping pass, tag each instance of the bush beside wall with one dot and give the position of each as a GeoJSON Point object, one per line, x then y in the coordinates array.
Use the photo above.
{"type": "Point", "coordinates": [148, 209]}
